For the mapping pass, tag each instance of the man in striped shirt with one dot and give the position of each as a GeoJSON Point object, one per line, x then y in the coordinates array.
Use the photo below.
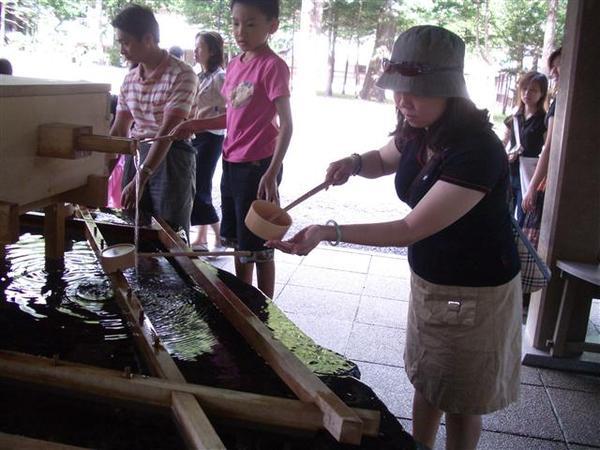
{"type": "Point", "coordinates": [155, 96]}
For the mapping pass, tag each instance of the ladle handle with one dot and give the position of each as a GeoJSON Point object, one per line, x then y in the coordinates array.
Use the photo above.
{"type": "Point", "coordinates": [303, 197]}
{"type": "Point", "coordinates": [166, 254]}
{"type": "Point", "coordinates": [157, 138]}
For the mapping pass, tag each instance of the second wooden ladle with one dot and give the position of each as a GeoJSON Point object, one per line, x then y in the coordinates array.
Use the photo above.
{"type": "Point", "coordinates": [269, 221]}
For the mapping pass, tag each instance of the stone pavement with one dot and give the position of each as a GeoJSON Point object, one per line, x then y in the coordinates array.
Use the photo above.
{"type": "Point", "coordinates": [355, 303]}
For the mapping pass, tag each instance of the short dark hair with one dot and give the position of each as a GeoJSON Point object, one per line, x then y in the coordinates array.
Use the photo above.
{"type": "Point", "coordinates": [460, 118]}
{"type": "Point", "coordinates": [555, 54]}
{"type": "Point", "coordinates": [5, 67]}
{"type": "Point", "coordinates": [176, 51]}
{"type": "Point", "coordinates": [214, 42]}
{"type": "Point", "coordinates": [270, 8]}
{"type": "Point", "coordinates": [138, 21]}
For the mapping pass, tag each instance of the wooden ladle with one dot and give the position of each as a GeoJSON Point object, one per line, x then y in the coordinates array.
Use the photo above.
{"type": "Point", "coordinates": [268, 221]}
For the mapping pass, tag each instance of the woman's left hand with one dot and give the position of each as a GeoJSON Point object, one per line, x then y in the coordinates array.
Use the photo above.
{"type": "Point", "coordinates": [128, 195]}
{"type": "Point", "coordinates": [302, 243]}
{"type": "Point", "coordinates": [267, 188]}
{"type": "Point", "coordinates": [528, 200]}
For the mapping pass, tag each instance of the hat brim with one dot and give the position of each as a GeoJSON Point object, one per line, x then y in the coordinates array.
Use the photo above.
{"type": "Point", "coordinates": [437, 84]}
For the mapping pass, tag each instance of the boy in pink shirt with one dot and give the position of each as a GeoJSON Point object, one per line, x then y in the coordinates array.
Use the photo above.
{"type": "Point", "coordinates": [257, 91]}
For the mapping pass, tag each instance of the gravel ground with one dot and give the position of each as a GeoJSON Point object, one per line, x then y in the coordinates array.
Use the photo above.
{"type": "Point", "coordinates": [326, 129]}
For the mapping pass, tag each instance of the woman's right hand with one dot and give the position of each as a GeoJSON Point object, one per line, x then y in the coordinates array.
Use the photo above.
{"type": "Point", "coordinates": [302, 243]}
{"type": "Point", "coordinates": [339, 171]}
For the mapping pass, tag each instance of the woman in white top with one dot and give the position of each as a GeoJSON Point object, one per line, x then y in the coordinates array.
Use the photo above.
{"type": "Point", "coordinates": [208, 144]}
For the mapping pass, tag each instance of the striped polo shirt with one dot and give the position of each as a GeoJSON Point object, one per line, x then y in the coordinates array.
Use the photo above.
{"type": "Point", "coordinates": [168, 89]}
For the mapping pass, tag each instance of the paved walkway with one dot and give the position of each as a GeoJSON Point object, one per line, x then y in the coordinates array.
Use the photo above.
{"type": "Point", "coordinates": [355, 303]}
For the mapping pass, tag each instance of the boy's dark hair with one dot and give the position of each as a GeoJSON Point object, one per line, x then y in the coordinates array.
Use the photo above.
{"type": "Point", "coordinates": [460, 118]}
{"type": "Point", "coordinates": [5, 67]}
{"type": "Point", "coordinates": [555, 54]}
{"type": "Point", "coordinates": [214, 42]}
{"type": "Point", "coordinates": [138, 21]}
{"type": "Point", "coordinates": [270, 8]}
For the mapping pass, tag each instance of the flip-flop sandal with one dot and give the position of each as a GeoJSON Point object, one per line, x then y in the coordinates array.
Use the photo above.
{"type": "Point", "coordinates": [200, 247]}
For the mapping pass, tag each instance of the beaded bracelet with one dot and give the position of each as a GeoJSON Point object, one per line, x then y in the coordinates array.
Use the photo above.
{"type": "Point", "coordinates": [338, 232]}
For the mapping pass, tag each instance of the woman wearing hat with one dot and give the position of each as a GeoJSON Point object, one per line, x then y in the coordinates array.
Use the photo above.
{"type": "Point", "coordinates": [463, 344]}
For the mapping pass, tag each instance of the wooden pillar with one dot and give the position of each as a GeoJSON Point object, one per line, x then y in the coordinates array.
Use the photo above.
{"type": "Point", "coordinates": [54, 230]}
{"type": "Point", "coordinates": [571, 222]}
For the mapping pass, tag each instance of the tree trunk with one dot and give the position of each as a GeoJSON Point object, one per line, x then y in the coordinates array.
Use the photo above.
{"type": "Point", "coordinates": [2, 23]}
{"type": "Point", "coordinates": [549, 34]}
{"type": "Point", "coordinates": [345, 76]}
{"type": "Point", "coordinates": [384, 38]}
{"type": "Point", "coordinates": [331, 59]}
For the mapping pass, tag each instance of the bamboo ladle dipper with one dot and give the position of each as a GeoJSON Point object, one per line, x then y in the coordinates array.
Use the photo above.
{"type": "Point", "coordinates": [268, 221]}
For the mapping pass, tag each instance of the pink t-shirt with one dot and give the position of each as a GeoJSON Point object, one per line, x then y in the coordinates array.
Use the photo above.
{"type": "Point", "coordinates": [250, 91]}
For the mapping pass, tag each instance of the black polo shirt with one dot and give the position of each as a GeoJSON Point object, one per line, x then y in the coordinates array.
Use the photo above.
{"type": "Point", "coordinates": [479, 248]}
{"type": "Point", "coordinates": [531, 132]}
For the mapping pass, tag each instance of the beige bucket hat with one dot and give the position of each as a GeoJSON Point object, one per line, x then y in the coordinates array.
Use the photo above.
{"type": "Point", "coordinates": [426, 61]}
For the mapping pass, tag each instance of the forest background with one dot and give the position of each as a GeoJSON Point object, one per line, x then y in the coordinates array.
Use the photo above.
{"type": "Point", "coordinates": [339, 38]}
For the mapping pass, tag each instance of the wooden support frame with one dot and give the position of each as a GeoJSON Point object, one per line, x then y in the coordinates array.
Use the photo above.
{"type": "Point", "coordinates": [54, 230]}
{"type": "Point", "coordinates": [339, 419]}
{"type": "Point", "coordinates": [69, 141]}
{"type": "Point", "coordinates": [192, 421]}
{"type": "Point", "coordinates": [9, 223]}
{"type": "Point", "coordinates": [26, 443]}
{"type": "Point", "coordinates": [122, 386]}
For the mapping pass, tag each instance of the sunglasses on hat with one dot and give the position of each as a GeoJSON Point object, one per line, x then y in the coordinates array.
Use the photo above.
{"type": "Point", "coordinates": [409, 69]}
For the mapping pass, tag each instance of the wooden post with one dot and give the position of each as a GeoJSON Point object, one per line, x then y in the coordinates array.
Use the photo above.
{"type": "Point", "coordinates": [54, 230]}
{"type": "Point", "coordinates": [9, 223]}
{"type": "Point", "coordinates": [571, 217]}
{"type": "Point", "coordinates": [339, 419]}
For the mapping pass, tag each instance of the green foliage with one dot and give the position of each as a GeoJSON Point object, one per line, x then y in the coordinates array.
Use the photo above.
{"type": "Point", "coordinates": [522, 25]}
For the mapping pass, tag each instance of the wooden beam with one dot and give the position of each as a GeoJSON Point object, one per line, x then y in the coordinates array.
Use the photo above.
{"type": "Point", "coordinates": [69, 141]}
{"type": "Point", "coordinates": [193, 423]}
{"type": "Point", "coordinates": [9, 223]}
{"type": "Point", "coordinates": [8, 441]}
{"type": "Point", "coordinates": [338, 418]}
{"type": "Point", "coordinates": [122, 386]}
{"type": "Point", "coordinates": [107, 144]}
{"type": "Point", "coordinates": [571, 215]}
{"type": "Point", "coordinates": [54, 230]}
{"type": "Point", "coordinates": [59, 140]}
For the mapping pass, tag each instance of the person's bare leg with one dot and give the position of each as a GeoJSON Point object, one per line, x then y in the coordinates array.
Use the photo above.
{"type": "Point", "coordinates": [244, 271]}
{"type": "Point", "coordinates": [201, 236]}
{"type": "Point", "coordinates": [426, 420]}
{"type": "Point", "coordinates": [265, 277]}
{"type": "Point", "coordinates": [216, 227]}
{"type": "Point", "coordinates": [462, 431]}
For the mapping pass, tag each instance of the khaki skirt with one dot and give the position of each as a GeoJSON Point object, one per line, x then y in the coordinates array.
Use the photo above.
{"type": "Point", "coordinates": [463, 345]}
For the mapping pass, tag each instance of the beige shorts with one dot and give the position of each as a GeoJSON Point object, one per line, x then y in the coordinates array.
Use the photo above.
{"type": "Point", "coordinates": [463, 345]}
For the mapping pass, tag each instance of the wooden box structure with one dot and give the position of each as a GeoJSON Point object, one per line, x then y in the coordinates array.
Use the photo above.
{"type": "Point", "coordinates": [26, 103]}
{"type": "Point", "coordinates": [29, 181]}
